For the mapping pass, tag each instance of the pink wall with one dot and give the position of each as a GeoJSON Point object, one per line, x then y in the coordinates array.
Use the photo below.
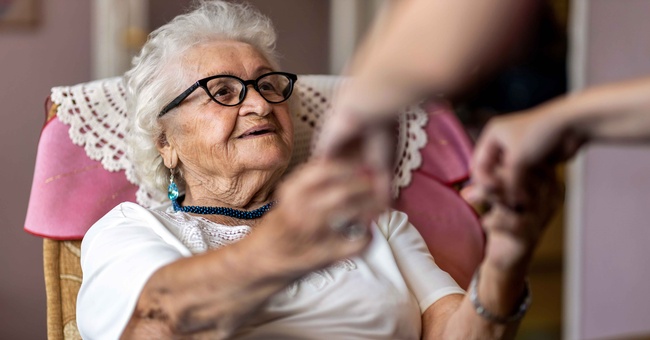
{"type": "Point", "coordinates": [615, 229]}
{"type": "Point", "coordinates": [55, 52]}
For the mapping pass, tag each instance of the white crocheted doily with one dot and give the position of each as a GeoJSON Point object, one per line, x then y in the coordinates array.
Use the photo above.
{"type": "Point", "coordinates": [96, 114]}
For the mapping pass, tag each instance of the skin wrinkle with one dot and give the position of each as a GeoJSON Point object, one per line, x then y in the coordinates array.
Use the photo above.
{"type": "Point", "coordinates": [204, 315]}
{"type": "Point", "coordinates": [229, 185]}
{"type": "Point", "coordinates": [180, 322]}
{"type": "Point", "coordinates": [230, 175]}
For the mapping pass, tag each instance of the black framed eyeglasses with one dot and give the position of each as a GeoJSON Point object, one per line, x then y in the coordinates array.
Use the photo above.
{"type": "Point", "coordinates": [274, 87]}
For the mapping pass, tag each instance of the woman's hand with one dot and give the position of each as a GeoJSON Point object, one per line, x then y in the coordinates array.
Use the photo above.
{"type": "Point", "coordinates": [348, 136]}
{"type": "Point", "coordinates": [301, 232]}
{"type": "Point", "coordinates": [512, 235]}
{"type": "Point", "coordinates": [512, 149]}
{"type": "Point", "coordinates": [514, 231]}
{"type": "Point", "coordinates": [512, 146]}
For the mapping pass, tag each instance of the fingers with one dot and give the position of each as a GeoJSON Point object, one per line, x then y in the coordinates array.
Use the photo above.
{"type": "Point", "coordinates": [326, 190]}
{"type": "Point", "coordinates": [348, 133]}
{"type": "Point", "coordinates": [369, 193]}
{"type": "Point", "coordinates": [370, 148]}
{"type": "Point", "coordinates": [476, 199]}
{"type": "Point", "coordinates": [512, 234]}
{"type": "Point", "coordinates": [354, 197]}
{"type": "Point", "coordinates": [501, 219]}
{"type": "Point", "coordinates": [514, 147]}
{"type": "Point", "coordinates": [488, 172]}
{"type": "Point", "coordinates": [327, 212]}
{"type": "Point", "coordinates": [513, 179]}
{"type": "Point", "coordinates": [526, 223]}
{"type": "Point", "coordinates": [486, 158]}
{"type": "Point", "coordinates": [497, 169]}
{"type": "Point", "coordinates": [379, 156]}
{"type": "Point", "coordinates": [338, 134]}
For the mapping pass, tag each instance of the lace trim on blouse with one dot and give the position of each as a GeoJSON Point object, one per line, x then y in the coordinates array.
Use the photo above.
{"type": "Point", "coordinates": [200, 235]}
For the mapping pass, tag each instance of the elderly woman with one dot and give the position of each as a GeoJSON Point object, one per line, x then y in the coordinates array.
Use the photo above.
{"type": "Point", "coordinates": [236, 253]}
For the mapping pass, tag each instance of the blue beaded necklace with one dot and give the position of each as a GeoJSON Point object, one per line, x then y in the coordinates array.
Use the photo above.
{"type": "Point", "coordinates": [241, 214]}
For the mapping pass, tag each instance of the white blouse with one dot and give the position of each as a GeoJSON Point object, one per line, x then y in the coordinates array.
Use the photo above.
{"type": "Point", "coordinates": [377, 295]}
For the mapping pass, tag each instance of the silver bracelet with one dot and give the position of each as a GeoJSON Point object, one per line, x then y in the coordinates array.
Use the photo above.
{"type": "Point", "coordinates": [526, 300]}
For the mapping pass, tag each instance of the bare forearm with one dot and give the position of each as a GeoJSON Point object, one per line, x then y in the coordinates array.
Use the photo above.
{"type": "Point", "coordinates": [619, 112]}
{"type": "Point", "coordinates": [213, 292]}
{"type": "Point", "coordinates": [492, 307]}
{"type": "Point", "coordinates": [425, 47]}
{"type": "Point", "coordinates": [498, 293]}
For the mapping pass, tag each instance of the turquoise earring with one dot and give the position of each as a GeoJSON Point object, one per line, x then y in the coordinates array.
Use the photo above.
{"type": "Point", "coordinates": [172, 189]}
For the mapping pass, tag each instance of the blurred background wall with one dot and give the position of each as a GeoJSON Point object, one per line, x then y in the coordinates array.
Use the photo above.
{"type": "Point", "coordinates": [609, 189]}
{"type": "Point", "coordinates": [34, 56]}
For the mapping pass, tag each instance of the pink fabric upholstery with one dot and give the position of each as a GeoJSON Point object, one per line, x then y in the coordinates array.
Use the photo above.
{"type": "Point", "coordinates": [447, 223]}
{"type": "Point", "coordinates": [70, 191]}
{"type": "Point", "coordinates": [448, 151]}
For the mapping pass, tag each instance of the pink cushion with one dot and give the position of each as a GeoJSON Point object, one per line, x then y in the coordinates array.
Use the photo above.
{"type": "Point", "coordinates": [70, 191]}
{"type": "Point", "coordinates": [447, 154]}
{"type": "Point", "coordinates": [447, 223]}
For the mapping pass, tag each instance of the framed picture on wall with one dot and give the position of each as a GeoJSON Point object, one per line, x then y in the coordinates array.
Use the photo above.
{"type": "Point", "coordinates": [19, 13]}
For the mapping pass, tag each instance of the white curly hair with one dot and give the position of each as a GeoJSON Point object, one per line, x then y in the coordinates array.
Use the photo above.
{"type": "Point", "coordinates": [151, 85]}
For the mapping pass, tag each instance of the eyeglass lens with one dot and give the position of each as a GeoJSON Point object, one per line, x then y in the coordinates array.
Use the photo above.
{"type": "Point", "coordinates": [275, 88]}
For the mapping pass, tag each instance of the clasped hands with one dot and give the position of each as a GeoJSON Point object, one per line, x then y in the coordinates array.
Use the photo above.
{"type": "Point", "coordinates": [514, 214]}
{"type": "Point", "coordinates": [347, 185]}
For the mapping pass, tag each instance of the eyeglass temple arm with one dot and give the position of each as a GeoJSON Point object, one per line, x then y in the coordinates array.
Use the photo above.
{"type": "Point", "coordinates": [178, 99]}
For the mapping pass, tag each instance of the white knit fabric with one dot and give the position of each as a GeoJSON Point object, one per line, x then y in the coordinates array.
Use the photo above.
{"type": "Point", "coordinates": [97, 115]}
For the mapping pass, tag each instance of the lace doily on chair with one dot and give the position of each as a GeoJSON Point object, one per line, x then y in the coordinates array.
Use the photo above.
{"type": "Point", "coordinates": [96, 113]}
{"type": "Point", "coordinates": [316, 92]}
{"type": "Point", "coordinates": [97, 116]}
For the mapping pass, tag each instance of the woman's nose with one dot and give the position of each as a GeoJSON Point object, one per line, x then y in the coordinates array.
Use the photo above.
{"type": "Point", "coordinates": [254, 103]}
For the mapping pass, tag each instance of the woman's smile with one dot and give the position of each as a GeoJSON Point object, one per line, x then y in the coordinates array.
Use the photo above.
{"type": "Point", "coordinates": [261, 130]}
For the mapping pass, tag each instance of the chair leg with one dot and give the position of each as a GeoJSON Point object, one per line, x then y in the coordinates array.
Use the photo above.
{"type": "Point", "coordinates": [51, 251]}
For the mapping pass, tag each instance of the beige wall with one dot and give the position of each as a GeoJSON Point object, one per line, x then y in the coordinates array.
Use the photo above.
{"type": "Point", "coordinates": [31, 61]}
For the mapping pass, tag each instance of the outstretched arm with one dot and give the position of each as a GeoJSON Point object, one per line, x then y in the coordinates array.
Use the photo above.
{"type": "Point", "coordinates": [512, 147]}
{"type": "Point", "coordinates": [417, 48]}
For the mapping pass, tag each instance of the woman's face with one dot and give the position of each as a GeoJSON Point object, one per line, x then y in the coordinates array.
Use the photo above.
{"type": "Point", "coordinates": [214, 141]}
